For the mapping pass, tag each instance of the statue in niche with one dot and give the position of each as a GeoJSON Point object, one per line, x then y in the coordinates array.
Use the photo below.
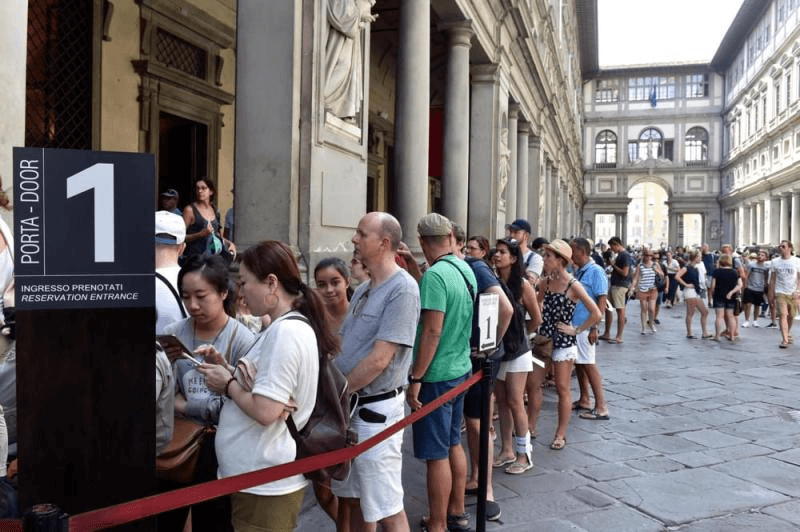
{"type": "Point", "coordinates": [343, 79]}
{"type": "Point", "coordinates": [504, 167]}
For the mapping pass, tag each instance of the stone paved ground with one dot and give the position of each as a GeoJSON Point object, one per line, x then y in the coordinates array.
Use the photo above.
{"type": "Point", "coordinates": [703, 436]}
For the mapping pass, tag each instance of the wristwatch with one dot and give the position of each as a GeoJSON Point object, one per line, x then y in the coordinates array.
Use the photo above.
{"type": "Point", "coordinates": [412, 380]}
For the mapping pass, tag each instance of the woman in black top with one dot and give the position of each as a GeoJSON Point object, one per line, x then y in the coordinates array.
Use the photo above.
{"type": "Point", "coordinates": [725, 283]}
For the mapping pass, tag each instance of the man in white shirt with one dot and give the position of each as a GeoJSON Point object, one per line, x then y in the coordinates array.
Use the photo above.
{"type": "Point", "coordinates": [169, 240]}
{"type": "Point", "coordinates": [520, 230]}
{"type": "Point", "coordinates": [784, 280]}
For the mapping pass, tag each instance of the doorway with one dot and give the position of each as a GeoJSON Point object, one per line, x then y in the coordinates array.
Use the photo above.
{"type": "Point", "coordinates": [182, 155]}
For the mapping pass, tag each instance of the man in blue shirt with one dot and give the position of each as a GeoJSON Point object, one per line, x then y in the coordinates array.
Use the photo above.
{"type": "Point", "coordinates": [594, 280]}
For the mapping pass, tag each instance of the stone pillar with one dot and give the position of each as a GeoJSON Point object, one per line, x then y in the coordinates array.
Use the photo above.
{"type": "Point", "coordinates": [773, 228]}
{"type": "Point", "coordinates": [13, 50]}
{"type": "Point", "coordinates": [742, 220]}
{"type": "Point", "coordinates": [795, 235]}
{"type": "Point", "coordinates": [759, 226]}
{"type": "Point", "coordinates": [455, 153]}
{"type": "Point", "coordinates": [623, 227]}
{"type": "Point", "coordinates": [266, 128]}
{"type": "Point", "coordinates": [512, 211]}
{"type": "Point", "coordinates": [412, 116]}
{"type": "Point", "coordinates": [534, 184]}
{"type": "Point", "coordinates": [753, 223]}
{"type": "Point", "coordinates": [483, 150]}
{"type": "Point", "coordinates": [784, 224]}
{"type": "Point", "coordinates": [523, 169]}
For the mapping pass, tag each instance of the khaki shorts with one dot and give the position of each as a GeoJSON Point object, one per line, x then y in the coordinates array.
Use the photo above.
{"type": "Point", "coordinates": [791, 304]}
{"type": "Point", "coordinates": [265, 513]}
{"type": "Point", "coordinates": [617, 296]}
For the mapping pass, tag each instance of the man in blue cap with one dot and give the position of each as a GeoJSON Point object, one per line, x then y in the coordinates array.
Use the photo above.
{"type": "Point", "coordinates": [520, 230]}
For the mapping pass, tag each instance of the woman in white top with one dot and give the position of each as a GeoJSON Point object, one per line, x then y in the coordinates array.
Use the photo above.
{"type": "Point", "coordinates": [252, 433]}
{"type": "Point", "coordinates": [645, 282]}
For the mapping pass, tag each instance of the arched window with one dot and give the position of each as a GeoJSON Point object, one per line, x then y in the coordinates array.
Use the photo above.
{"type": "Point", "coordinates": [651, 144]}
{"type": "Point", "coordinates": [696, 146]}
{"type": "Point", "coordinates": [605, 150]}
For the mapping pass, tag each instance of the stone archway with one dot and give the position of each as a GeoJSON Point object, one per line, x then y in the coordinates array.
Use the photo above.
{"type": "Point", "coordinates": [648, 214]}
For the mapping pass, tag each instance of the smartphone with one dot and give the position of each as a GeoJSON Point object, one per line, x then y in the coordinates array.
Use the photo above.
{"type": "Point", "coordinates": [169, 341]}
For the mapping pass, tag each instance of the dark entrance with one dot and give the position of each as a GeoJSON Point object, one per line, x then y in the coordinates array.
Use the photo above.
{"type": "Point", "coordinates": [182, 155]}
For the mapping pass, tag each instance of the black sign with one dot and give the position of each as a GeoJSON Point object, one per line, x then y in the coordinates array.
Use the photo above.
{"type": "Point", "coordinates": [83, 229]}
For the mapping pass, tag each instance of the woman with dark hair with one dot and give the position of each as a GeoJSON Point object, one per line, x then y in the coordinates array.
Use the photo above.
{"type": "Point", "coordinates": [517, 361]}
{"type": "Point", "coordinates": [333, 285]}
{"type": "Point", "coordinates": [203, 223]}
{"type": "Point", "coordinates": [478, 247]}
{"type": "Point", "coordinates": [215, 338]}
{"type": "Point", "coordinates": [284, 363]}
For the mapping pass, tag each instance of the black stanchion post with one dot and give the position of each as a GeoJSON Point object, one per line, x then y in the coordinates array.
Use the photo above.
{"type": "Point", "coordinates": [483, 456]}
{"type": "Point", "coordinates": [45, 518]}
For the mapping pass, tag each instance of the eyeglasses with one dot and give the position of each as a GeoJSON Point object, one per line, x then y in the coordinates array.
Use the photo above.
{"type": "Point", "coordinates": [361, 303]}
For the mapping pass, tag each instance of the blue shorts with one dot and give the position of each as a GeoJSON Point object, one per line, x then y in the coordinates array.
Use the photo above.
{"type": "Point", "coordinates": [434, 434]}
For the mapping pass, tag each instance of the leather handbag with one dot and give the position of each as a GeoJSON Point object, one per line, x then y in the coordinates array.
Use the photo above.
{"type": "Point", "coordinates": [542, 346]}
{"type": "Point", "coordinates": [178, 461]}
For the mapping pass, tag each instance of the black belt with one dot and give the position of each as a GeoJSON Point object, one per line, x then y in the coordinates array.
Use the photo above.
{"type": "Point", "coordinates": [367, 399]}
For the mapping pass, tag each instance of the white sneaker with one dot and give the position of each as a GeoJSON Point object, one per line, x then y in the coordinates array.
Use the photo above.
{"type": "Point", "coordinates": [755, 324]}
{"type": "Point", "coordinates": [745, 325]}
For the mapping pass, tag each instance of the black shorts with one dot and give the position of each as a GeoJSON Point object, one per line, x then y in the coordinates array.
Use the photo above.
{"type": "Point", "coordinates": [753, 297]}
{"type": "Point", "coordinates": [472, 399]}
{"type": "Point", "coordinates": [728, 304]}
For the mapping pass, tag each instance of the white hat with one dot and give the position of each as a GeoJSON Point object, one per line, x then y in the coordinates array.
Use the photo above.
{"type": "Point", "coordinates": [170, 228]}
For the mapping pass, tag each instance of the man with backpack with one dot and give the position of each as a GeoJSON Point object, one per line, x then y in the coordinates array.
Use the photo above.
{"type": "Point", "coordinates": [169, 241]}
{"type": "Point", "coordinates": [520, 230]}
{"type": "Point", "coordinates": [377, 337]}
{"type": "Point", "coordinates": [441, 363]}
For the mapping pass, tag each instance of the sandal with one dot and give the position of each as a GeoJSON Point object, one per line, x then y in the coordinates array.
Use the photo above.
{"type": "Point", "coordinates": [517, 468]}
{"type": "Point", "coordinates": [577, 406]}
{"type": "Point", "coordinates": [500, 461]}
{"type": "Point", "coordinates": [558, 444]}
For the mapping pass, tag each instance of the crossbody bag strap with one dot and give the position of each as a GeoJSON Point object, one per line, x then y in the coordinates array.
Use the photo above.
{"type": "Point", "coordinates": [289, 420]}
{"type": "Point", "coordinates": [174, 293]}
{"type": "Point", "coordinates": [469, 286]}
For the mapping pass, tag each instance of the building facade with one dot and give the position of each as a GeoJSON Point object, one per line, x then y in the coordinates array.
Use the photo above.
{"type": "Point", "coordinates": [760, 56]}
{"type": "Point", "coordinates": [321, 109]}
{"type": "Point", "coordinates": [655, 126]}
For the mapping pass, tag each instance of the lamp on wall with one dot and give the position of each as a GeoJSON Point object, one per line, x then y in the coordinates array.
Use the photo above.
{"type": "Point", "coordinates": [108, 12]}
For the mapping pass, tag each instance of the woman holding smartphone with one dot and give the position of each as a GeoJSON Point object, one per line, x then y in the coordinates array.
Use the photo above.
{"type": "Point", "coordinates": [215, 338]}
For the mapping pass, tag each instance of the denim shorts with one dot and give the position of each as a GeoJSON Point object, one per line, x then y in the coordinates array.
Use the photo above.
{"type": "Point", "coordinates": [434, 434]}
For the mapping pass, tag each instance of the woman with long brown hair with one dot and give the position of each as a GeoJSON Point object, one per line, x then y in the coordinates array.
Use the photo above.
{"type": "Point", "coordinates": [252, 432]}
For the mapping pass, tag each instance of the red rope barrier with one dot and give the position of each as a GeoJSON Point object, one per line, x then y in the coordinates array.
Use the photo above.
{"type": "Point", "coordinates": [156, 504]}
{"type": "Point", "coordinates": [10, 525]}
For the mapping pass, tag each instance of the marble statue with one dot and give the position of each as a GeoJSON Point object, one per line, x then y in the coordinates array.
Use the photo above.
{"type": "Point", "coordinates": [344, 56]}
{"type": "Point", "coordinates": [504, 167]}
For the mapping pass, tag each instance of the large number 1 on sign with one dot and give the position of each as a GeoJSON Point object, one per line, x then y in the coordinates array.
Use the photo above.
{"type": "Point", "coordinates": [99, 177]}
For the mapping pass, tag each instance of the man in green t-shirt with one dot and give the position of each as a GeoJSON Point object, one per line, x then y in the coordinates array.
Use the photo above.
{"type": "Point", "coordinates": [441, 362]}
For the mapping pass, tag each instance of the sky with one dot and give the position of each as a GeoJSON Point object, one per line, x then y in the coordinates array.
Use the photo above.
{"type": "Point", "coordinates": [640, 32]}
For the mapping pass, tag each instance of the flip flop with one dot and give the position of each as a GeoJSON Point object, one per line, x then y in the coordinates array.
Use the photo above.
{"type": "Point", "coordinates": [594, 416]}
{"type": "Point", "coordinates": [783, 345]}
{"type": "Point", "coordinates": [611, 341]}
{"type": "Point", "coordinates": [500, 462]}
{"type": "Point", "coordinates": [558, 444]}
{"type": "Point", "coordinates": [517, 468]}
{"type": "Point", "coordinates": [691, 336]}
{"type": "Point", "coordinates": [606, 338]}
{"type": "Point", "coordinates": [707, 336]}
{"type": "Point", "coordinates": [577, 406]}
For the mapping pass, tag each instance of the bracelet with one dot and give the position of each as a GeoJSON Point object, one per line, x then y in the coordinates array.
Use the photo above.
{"type": "Point", "coordinates": [228, 385]}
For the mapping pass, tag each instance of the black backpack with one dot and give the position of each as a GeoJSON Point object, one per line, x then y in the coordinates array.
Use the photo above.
{"type": "Point", "coordinates": [328, 428]}
{"type": "Point", "coordinates": [516, 333]}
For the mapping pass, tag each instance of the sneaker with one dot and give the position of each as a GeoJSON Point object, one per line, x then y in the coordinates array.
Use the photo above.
{"type": "Point", "coordinates": [657, 321]}
{"type": "Point", "coordinates": [756, 325]}
{"type": "Point", "coordinates": [652, 328]}
{"type": "Point", "coordinates": [493, 512]}
{"type": "Point", "coordinates": [772, 325]}
{"type": "Point", "coordinates": [745, 324]}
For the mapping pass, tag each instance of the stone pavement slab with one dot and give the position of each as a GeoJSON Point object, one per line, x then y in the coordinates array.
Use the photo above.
{"type": "Point", "coordinates": [703, 437]}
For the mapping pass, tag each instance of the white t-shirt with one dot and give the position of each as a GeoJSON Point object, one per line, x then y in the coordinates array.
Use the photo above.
{"type": "Point", "coordinates": [785, 271]}
{"type": "Point", "coordinates": [287, 367]}
{"type": "Point", "coordinates": [701, 275]}
{"type": "Point", "coordinates": [533, 262]}
{"type": "Point", "coordinates": [168, 310]}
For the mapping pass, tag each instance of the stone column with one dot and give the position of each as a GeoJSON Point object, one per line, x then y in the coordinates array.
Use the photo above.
{"type": "Point", "coordinates": [759, 208]}
{"type": "Point", "coordinates": [795, 235]}
{"type": "Point", "coordinates": [412, 116]}
{"type": "Point", "coordinates": [13, 50]}
{"type": "Point", "coordinates": [784, 225]}
{"type": "Point", "coordinates": [742, 220]}
{"type": "Point", "coordinates": [455, 154]}
{"type": "Point", "coordinates": [483, 150]}
{"type": "Point", "coordinates": [623, 227]}
{"type": "Point", "coordinates": [753, 223]}
{"type": "Point", "coordinates": [512, 211]}
{"type": "Point", "coordinates": [523, 169]}
{"type": "Point", "coordinates": [774, 226]}
{"type": "Point", "coordinates": [534, 184]}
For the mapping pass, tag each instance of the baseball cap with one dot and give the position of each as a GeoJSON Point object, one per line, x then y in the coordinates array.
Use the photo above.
{"type": "Point", "coordinates": [170, 193]}
{"type": "Point", "coordinates": [170, 228]}
{"type": "Point", "coordinates": [434, 224]}
{"type": "Point", "coordinates": [519, 224]}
